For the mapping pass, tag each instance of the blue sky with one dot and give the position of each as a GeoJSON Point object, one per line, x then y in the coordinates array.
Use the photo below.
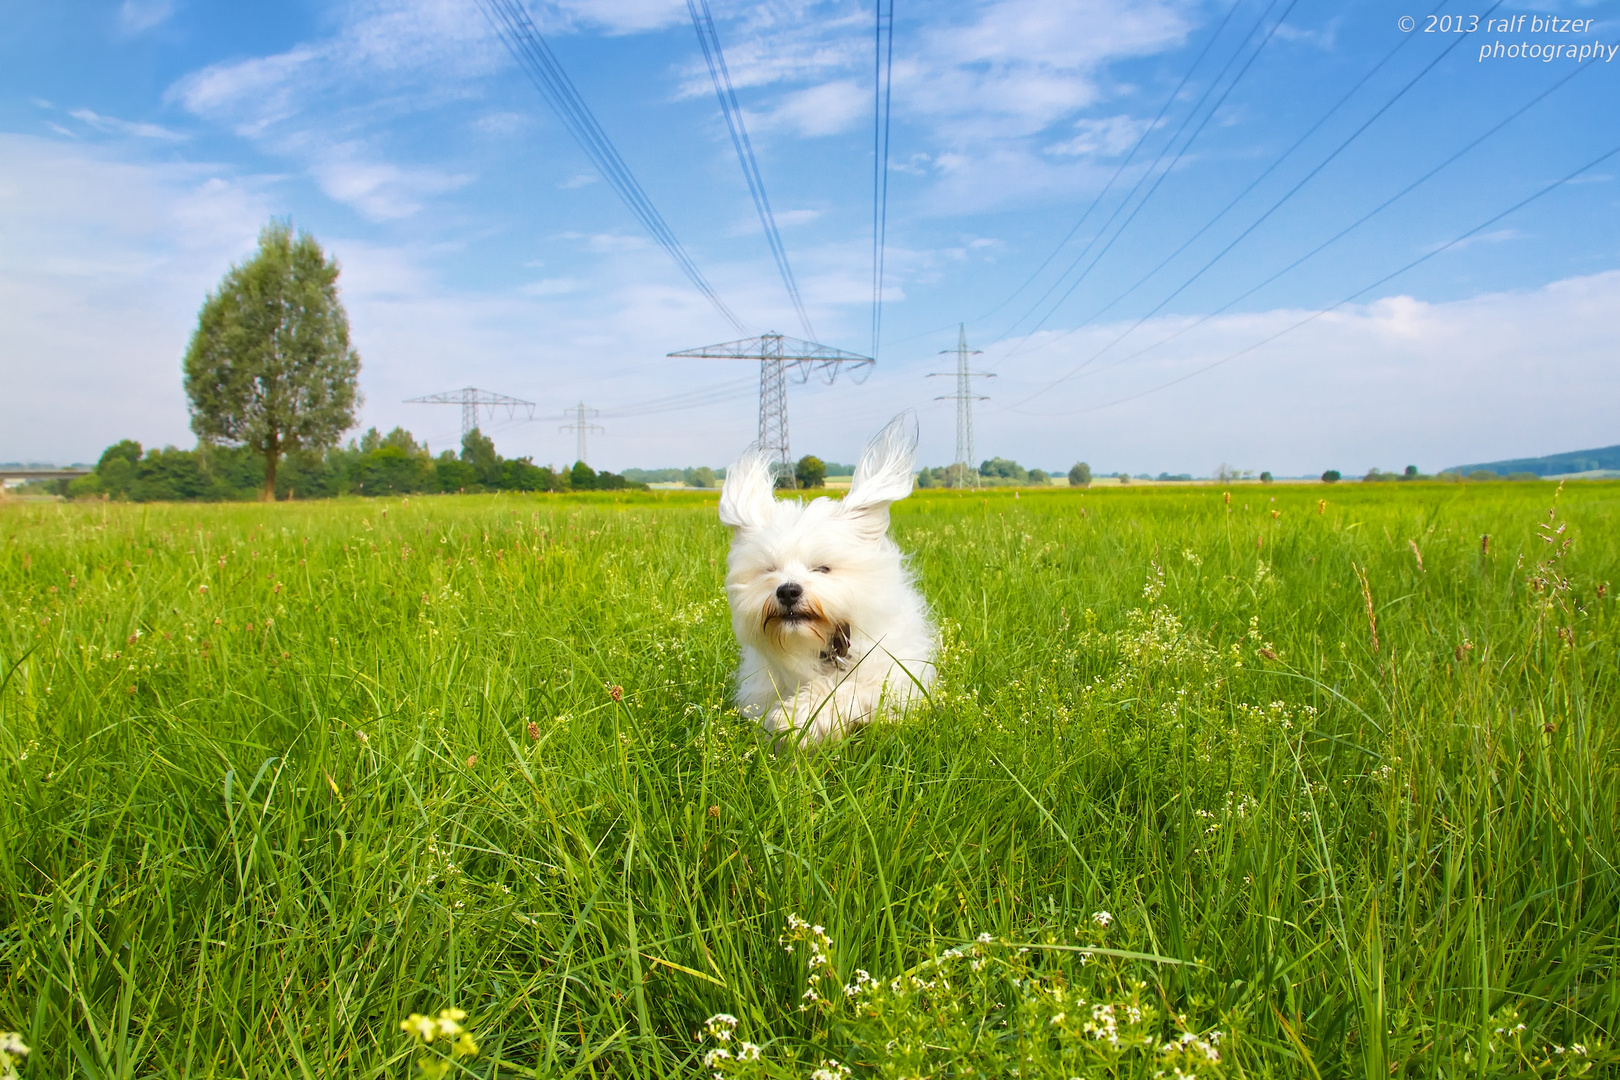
{"type": "Point", "coordinates": [144, 143]}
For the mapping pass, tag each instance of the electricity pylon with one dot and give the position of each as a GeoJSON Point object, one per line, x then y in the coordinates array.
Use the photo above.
{"type": "Point", "coordinates": [581, 427]}
{"type": "Point", "coordinates": [470, 398]}
{"type": "Point", "coordinates": [776, 355]}
{"type": "Point", "coordinates": [967, 473]}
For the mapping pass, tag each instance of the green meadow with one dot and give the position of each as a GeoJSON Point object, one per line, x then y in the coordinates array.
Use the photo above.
{"type": "Point", "coordinates": [1266, 787]}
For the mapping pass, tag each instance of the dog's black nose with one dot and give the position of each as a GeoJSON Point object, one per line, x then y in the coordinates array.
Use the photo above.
{"type": "Point", "coordinates": [788, 594]}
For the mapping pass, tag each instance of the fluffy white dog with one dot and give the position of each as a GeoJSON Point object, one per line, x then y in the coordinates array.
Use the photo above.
{"type": "Point", "coordinates": [833, 633]}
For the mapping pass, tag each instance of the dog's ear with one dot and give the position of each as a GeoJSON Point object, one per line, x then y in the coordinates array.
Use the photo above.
{"type": "Point", "coordinates": [885, 473]}
{"type": "Point", "coordinates": [745, 498]}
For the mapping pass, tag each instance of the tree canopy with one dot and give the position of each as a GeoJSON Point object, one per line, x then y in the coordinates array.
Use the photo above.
{"type": "Point", "coordinates": [270, 367]}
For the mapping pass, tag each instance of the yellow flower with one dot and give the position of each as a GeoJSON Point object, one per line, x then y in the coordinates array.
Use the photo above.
{"type": "Point", "coordinates": [465, 1046]}
{"type": "Point", "coordinates": [449, 1026]}
{"type": "Point", "coordinates": [420, 1027]}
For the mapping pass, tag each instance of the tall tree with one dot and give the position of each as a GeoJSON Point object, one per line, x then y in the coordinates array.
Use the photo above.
{"type": "Point", "coordinates": [270, 366]}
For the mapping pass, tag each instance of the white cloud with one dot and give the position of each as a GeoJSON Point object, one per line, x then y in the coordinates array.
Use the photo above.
{"type": "Point", "coordinates": [501, 123]}
{"type": "Point", "coordinates": [251, 93]}
{"type": "Point", "coordinates": [1394, 382]}
{"type": "Point", "coordinates": [986, 81]}
{"type": "Point", "coordinates": [579, 180]}
{"type": "Point", "coordinates": [325, 104]}
{"type": "Point", "coordinates": [104, 265]}
{"type": "Point", "coordinates": [550, 287]}
{"type": "Point", "coordinates": [1109, 137]}
{"type": "Point", "coordinates": [615, 16]}
{"type": "Point", "coordinates": [114, 126]}
{"type": "Point", "coordinates": [827, 109]}
{"type": "Point", "coordinates": [139, 16]}
{"type": "Point", "coordinates": [379, 190]}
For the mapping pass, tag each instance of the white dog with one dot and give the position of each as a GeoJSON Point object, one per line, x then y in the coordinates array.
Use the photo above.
{"type": "Point", "coordinates": [832, 632]}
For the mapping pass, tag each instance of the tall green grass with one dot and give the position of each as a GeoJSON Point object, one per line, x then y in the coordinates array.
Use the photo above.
{"type": "Point", "coordinates": [274, 777]}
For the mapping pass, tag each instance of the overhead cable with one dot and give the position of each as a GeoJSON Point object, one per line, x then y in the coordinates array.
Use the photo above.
{"type": "Point", "coordinates": [511, 21]}
{"type": "Point", "coordinates": [1106, 188]}
{"type": "Point", "coordinates": [882, 81]}
{"type": "Point", "coordinates": [1356, 224]}
{"type": "Point", "coordinates": [1289, 194]}
{"type": "Point", "coordinates": [1154, 171]}
{"type": "Point", "coordinates": [1447, 246]}
{"type": "Point", "coordinates": [1267, 171]}
{"type": "Point", "coordinates": [709, 38]}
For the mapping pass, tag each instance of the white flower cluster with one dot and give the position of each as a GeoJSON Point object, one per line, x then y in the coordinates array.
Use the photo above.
{"type": "Point", "coordinates": [721, 1027]}
{"type": "Point", "coordinates": [830, 1070]}
{"type": "Point", "coordinates": [820, 960]}
{"type": "Point", "coordinates": [1207, 1047]}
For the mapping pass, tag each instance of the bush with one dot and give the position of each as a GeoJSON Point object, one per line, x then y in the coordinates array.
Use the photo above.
{"type": "Point", "coordinates": [810, 472]}
{"type": "Point", "coordinates": [998, 468]}
{"type": "Point", "coordinates": [1331, 476]}
{"type": "Point", "coordinates": [1080, 475]}
{"type": "Point", "coordinates": [1265, 478]}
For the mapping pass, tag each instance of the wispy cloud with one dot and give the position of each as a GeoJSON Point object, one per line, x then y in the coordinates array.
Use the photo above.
{"type": "Point", "coordinates": [1109, 137]}
{"type": "Point", "coordinates": [827, 109]}
{"type": "Point", "coordinates": [139, 16]}
{"type": "Point", "coordinates": [380, 190]}
{"type": "Point", "coordinates": [982, 84]}
{"type": "Point", "coordinates": [111, 125]}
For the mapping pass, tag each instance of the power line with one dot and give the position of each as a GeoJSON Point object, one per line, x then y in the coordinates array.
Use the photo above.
{"type": "Point", "coordinates": [1481, 227]}
{"type": "Point", "coordinates": [1146, 131]}
{"type": "Point", "coordinates": [1362, 220]}
{"type": "Point", "coordinates": [1161, 174]}
{"type": "Point", "coordinates": [534, 56]}
{"type": "Point", "coordinates": [709, 38]}
{"type": "Point", "coordinates": [684, 402]}
{"type": "Point", "coordinates": [883, 81]}
{"type": "Point", "coordinates": [1336, 151]}
{"type": "Point", "coordinates": [1267, 171]}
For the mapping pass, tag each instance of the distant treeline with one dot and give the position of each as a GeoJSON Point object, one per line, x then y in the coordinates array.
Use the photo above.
{"type": "Point", "coordinates": [376, 464]}
{"type": "Point", "coordinates": [1605, 458]}
{"type": "Point", "coordinates": [995, 472]}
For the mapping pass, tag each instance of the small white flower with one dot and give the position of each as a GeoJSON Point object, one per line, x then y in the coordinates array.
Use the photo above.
{"type": "Point", "coordinates": [1101, 918]}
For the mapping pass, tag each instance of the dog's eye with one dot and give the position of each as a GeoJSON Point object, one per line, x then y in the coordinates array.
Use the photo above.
{"type": "Point", "coordinates": [823, 569]}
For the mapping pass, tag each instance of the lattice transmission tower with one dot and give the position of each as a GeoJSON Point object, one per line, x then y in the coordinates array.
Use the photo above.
{"type": "Point", "coordinates": [964, 473]}
{"type": "Point", "coordinates": [581, 427]}
{"type": "Point", "coordinates": [779, 356]}
{"type": "Point", "coordinates": [471, 399]}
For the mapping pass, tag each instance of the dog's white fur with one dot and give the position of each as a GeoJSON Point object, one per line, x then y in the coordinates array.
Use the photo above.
{"type": "Point", "coordinates": [857, 642]}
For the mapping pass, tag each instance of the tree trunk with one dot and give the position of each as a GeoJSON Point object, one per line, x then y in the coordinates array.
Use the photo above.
{"type": "Point", "coordinates": [272, 453]}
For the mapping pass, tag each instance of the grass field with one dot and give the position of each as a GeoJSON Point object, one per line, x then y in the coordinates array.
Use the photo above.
{"type": "Point", "coordinates": [1261, 788]}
